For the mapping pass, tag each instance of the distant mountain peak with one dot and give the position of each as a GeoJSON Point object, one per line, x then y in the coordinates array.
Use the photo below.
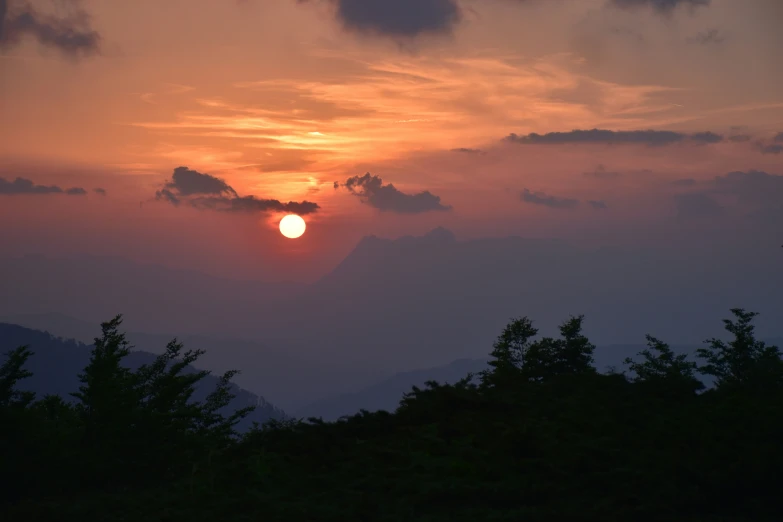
{"type": "Point", "coordinates": [441, 234]}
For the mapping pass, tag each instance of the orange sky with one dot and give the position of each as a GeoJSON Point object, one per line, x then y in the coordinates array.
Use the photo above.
{"type": "Point", "coordinates": [282, 98]}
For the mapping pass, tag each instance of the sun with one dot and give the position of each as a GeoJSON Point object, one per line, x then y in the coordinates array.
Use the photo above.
{"type": "Point", "coordinates": [292, 226]}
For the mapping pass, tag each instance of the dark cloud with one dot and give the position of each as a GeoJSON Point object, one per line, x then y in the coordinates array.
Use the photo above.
{"type": "Point", "coordinates": [539, 198]}
{"type": "Point", "coordinates": [600, 172]}
{"type": "Point", "coordinates": [213, 193]}
{"type": "Point", "coordinates": [99, 191]}
{"type": "Point", "coordinates": [695, 205]}
{"type": "Point", "coordinates": [610, 137]}
{"type": "Point", "coordinates": [397, 18]}
{"type": "Point", "coordinates": [187, 182]}
{"type": "Point", "coordinates": [387, 198]}
{"type": "Point", "coordinates": [773, 148]}
{"type": "Point", "coordinates": [660, 6]}
{"type": "Point", "coordinates": [707, 137]}
{"type": "Point", "coordinates": [70, 34]}
{"type": "Point", "coordinates": [598, 205]}
{"type": "Point", "coordinates": [740, 138]}
{"type": "Point", "coordinates": [25, 186]}
{"type": "Point", "coordinates": [468, 151]}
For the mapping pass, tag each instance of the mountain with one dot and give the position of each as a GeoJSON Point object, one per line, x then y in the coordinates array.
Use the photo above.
{"type": "Point", "coordinates": [421, 301]}
{"type": "Point", "coordinates": [413, 302]}
{"type": "Point", "coordinates": [56, 363]}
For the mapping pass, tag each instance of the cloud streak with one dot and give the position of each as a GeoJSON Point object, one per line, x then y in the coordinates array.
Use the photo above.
{"type": "Point", "coordinates": [540, 198]}
{"type": "Point", "coordinates": [610, 137]}
{"type": "Point", "coordinates": [22, 186]}
{"type": "Point", "coordinates": [660, 6]}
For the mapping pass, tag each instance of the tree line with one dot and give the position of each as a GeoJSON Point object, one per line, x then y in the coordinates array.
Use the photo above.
{"type": "Point", "coordinates": [540, 435]}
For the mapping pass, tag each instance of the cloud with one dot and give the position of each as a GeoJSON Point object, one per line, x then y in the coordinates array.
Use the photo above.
{"type": "Point", "coordinates": [25, 186]}
{"type": "Point", "coordinates": [213, 193]}
{"type": "Point", "coordinates": [466, 150]}
{"type": "Point", "coordinates": [600, 172]}
{"type": "Point", "coordinates": [660, 6]}
{"type": "Point", "coordinates": [397, 18]}
{"type": "Point", "coordinates": [71, 34]}
{"type": "Point", "coordinates": [771, 149]}
{"type": "Point", "coordinates": [597, 205]}
{"type": "Point", "coordinates": [99, 191]}
{"type": "Point", "coordinates": [610, 137]}
{"type": "Point", "coordinates": [387, 198]}
{"type": "Point", "coordinates": [539, 198]}
{"type": "Point", "coordinates": [773, 146]}
{"type": "Point", "coordinates": [740, 138]}
{"type": "Point", "coordinates": [694, 205]}
{"type": "Point", "coordinates": [706, 137]}
{"type": "Point", "coordinates": [187, 182]}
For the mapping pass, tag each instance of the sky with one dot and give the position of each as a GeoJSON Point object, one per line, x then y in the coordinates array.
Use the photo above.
{"type": "Point", "coordinates": [179, 132]}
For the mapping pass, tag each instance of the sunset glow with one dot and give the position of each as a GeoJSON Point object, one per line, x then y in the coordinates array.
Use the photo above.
{"type": "Point", "coordinates": [285, 101]}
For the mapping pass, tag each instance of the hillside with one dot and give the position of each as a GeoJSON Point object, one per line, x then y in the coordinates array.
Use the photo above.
{"type": "Point", "coordinates": [56, 363]}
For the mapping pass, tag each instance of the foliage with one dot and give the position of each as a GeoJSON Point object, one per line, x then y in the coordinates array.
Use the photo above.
{"type": "Point", "coordinates": [541, 436]}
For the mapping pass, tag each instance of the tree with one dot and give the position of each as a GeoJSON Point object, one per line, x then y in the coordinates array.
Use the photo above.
{"type": "Point", "coordinates": [744, 360]}
{"type": "Point", "coordinates": [106, 395]}
{"type": "Point", "coordinates": [662, 366]}
{"type": "Point", "coordinates": [515, 355]}
{"type": "Point", "coordinates": [11, 372]}
{"type": "Point", "coordinates": [509, 351]}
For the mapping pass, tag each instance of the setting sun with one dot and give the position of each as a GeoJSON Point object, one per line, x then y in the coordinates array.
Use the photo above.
{"type": "Point", "coordinates": [292, 226]}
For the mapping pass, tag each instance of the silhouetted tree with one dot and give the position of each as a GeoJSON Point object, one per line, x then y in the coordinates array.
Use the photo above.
{"type": "Point", "coordinates": [515, 355]}
{"type": "Point", "coordinates": [509, 351]}
{"type": "Point", "coordinates": [570, 355]}
{"type": "Point", "coordinates": [743, 360]}
{"type": "Point", "coordinates": [11, 372]}
{"type": "Point", "coordinates": [661, 366]}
